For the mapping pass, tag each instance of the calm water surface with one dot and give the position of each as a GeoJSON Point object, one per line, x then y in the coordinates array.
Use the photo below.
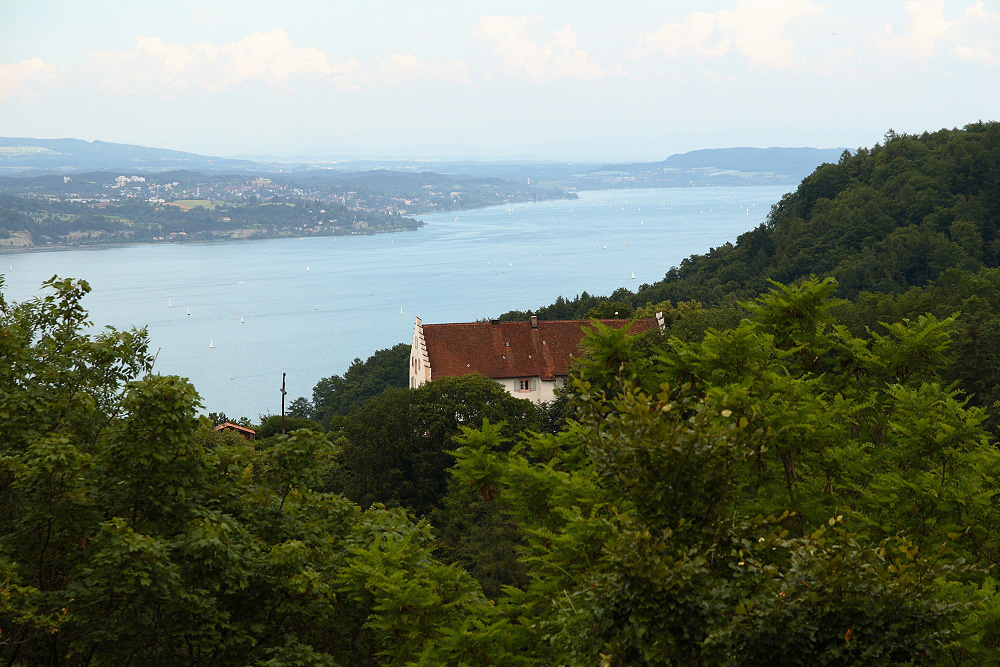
{"type": "Point", "coordinates": [308, 307]}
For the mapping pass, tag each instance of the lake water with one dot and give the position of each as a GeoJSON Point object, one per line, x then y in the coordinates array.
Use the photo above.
{"type": "Point", "coordinates": [308, 307]}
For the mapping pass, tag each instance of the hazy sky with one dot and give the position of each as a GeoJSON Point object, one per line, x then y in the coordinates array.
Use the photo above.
{"type": "Point", "coordinates": [573, 79]}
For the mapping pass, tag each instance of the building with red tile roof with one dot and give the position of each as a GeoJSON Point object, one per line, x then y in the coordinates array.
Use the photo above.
{"type": "Point", "coordinates": [529, 358]}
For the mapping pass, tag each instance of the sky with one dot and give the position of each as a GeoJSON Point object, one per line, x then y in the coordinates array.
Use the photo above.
{"type": "Point", "coordinates": [560, 79]}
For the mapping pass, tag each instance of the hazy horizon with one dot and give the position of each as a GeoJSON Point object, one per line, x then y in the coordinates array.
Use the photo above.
{"type": "Point", "coordinates": [293, 158]}
{"type": "Point", "coordinates": [499, 81]}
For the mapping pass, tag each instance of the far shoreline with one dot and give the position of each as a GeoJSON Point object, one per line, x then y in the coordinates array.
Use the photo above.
{"type": "Point", "coordinates": [124, 244]}
{"type": "Point", "coordinates": [4, 250]}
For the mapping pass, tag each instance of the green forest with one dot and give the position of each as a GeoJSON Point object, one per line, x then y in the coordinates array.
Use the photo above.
{"type": "Point", "coordinates": [801, 469]}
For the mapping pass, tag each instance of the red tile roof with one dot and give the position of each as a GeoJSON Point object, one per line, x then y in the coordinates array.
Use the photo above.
{"type": "Point", "coordinates": [510, 349]}
{"type": "Point", "coordinates": [242, 429]}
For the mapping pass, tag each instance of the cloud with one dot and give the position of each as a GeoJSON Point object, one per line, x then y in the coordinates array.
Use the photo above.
{"type": "Point", "coordinates": [978, 35]}
{"type": "Point", "coordinates": [156, 67]}
{"type": "Point", "coordinates": [20, 78]}
{"type": "Point", "coordinates": [972, 35]}
{"type": "Point", "coordinates": [751, 29]}
{"type": "Point", "coordinates": [846, 61]}
{"type": "Point", "coordinates": [928, 28]}
{"type": "Point", "coordinates": [401, 69]}
{"type": "Point", "coordinates": [511, 41]}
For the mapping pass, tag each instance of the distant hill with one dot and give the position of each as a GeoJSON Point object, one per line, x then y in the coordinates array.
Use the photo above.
{"type": "Point", "coordinates": [715, 166]}
{"type": "Point", "coordinates": [19, 155]}
{"type": "Point", "coordinates": [25, 156]}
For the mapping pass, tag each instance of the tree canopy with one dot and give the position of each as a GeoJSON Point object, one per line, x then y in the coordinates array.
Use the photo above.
{"type": "Point", "coordinates": [130, 533]}
{"type": "Point", "coordinates": [781, 492]}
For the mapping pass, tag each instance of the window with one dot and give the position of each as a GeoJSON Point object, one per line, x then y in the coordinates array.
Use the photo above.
{"type": "Point", "coordinates": [526, 384]}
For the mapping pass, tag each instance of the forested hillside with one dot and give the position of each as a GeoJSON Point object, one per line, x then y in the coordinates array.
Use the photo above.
{"type": "Point", "coordinates": [881, 219]}
{"type": "Point", "coordinates": [909, 226]}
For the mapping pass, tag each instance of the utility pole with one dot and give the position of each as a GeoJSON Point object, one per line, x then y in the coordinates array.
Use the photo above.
{"type": "Point", "coordinates": [283, 392]}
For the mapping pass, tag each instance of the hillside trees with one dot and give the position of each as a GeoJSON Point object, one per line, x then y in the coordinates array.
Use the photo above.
{"type": "Point", "coordinates": [340, 395]}
{"type": "Point", "coordinates": [781, 492]}
{"type": "Point", "coordinates": [398, 444]}
{"type": "Point", "coordinates": [130, 533]}
{"type": "Point", "coordinates": [883, 219]}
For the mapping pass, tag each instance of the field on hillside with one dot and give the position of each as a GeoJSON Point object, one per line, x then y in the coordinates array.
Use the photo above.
{"type": "Point", "coordinates": [188, 204]}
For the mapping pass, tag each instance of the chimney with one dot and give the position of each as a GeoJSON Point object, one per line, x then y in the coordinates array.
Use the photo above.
{"type": "Point", "coordinates": [534, 321]}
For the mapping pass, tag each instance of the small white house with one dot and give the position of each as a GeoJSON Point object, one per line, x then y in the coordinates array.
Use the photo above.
{"type": "Point", "coordinates": [529, 358]}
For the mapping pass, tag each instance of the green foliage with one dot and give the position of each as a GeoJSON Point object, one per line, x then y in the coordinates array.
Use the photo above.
{"type": "Point", "coordinates": [782, 493]}
{"type": "Point", "coordinates": [398, 444]}
{"type": "Point", "coordinates": [218, 418]}
{"type": "Point", "coordinates": [341, 395]}
{"type": "Point", "coordinates": [132, 533]}
{"type": "Point", "coordinates": [272, 425]}
{"type": "Point", "coordinates": [973, 360]}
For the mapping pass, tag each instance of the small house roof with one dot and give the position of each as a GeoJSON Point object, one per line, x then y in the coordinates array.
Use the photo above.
{"type": "Point", "coordinates": [511, 349]}
{"type": "Point", "coordinates": [241, 429]}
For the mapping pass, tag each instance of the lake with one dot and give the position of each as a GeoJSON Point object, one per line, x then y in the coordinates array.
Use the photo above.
{"type": "Point", "coordinates": [308, 307]}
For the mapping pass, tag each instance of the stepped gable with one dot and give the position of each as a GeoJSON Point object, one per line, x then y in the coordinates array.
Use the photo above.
{"type": "Point", "coordinates": [511, 349]}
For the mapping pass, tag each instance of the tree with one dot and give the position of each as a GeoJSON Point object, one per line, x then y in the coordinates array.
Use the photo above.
{"type": "Point", "coordinates": [398, 444]}
{"type": "Point", "coordinates": [339, 396]}
{"type": "Point", "coordinates": [272, 425]}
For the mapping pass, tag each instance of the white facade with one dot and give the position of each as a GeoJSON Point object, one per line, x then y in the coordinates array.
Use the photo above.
{"type": "Point", "coordinates": [420, 365]}
{"type": "Point", "coordinates": [539, 391]}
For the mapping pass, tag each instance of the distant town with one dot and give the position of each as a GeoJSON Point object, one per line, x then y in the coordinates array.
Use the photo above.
{"type": "Point", "coordinates": [114, 207]}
